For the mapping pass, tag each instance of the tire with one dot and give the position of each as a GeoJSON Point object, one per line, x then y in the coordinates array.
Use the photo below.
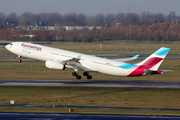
{"type": "Point", "coordinates": [74, 74]}
{"type": "Point", "coordinates": [89, 77]}
{"type": "Point", "coordinates": [85, 74]}
{"type": "Point", "coordinates": [19, 61]}
{"type": "Point", "coordinates": [78, 77]}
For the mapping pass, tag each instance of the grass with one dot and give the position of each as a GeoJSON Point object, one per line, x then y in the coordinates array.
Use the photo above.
{"type": "Point", "coordinates": [106, 97]}
{"type": "Point", "coordinates": [86, 96]}
{"type": "Point", "coordinates": [38, 71]}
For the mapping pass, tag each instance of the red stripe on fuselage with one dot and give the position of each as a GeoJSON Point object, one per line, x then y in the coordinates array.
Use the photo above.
{"type": "Point", "coordinates": [148, 64]}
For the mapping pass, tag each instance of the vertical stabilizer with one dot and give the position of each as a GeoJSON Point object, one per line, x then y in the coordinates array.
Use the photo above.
{"type": "Point", "coordinates": [151, 64]}
{"type": "Point", "coordinates": [154, 60]}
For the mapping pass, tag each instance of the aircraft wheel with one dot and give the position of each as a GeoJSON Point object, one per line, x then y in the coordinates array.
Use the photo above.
{"type": "Point", "coordinates": [89, 77]}
{"type": "Point", "coordinates": [78, 77]}
{"type": "Point", "coordinates": [19, 61]}
{"type": "Point", "coordinates": [85, 73]}
{"type": "Point", "coordinates": [74, 74]}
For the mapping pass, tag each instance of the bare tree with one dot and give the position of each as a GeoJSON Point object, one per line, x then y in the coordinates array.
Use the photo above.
{"type": "Point", "coordinates": [55, 18]}
{"type": "Point", "coordinates": [171, 15]}
{"type": "Point", "coordinates": [2, 18]}
{"type": "Point", "coordinates": [159, 17]}
{"type": "Point", "coordinates": [23, 21]}
{"type": "Point", "coordinates": [109, 18]}
{"type": "Point", "coordinates": [12, 17]}
{"type": "Point", "coordinates": [145, 18]}
{"type": "Point", "coordinates": [97, 20]}
{"type": "Point", "coordinates": [70, 19]}
{"type": "Point", "coordinates": [120, 18]}
{"type": "Point", "coordinates": [132, 19]}
{"type": "Point", "coordinates": [35, 19]}
{"type": "Point", "coordinates": [29, 16]}
{"type": "Point", "coordinates": [44, 17]}
{"type": "Point", "coordinates": [81, 19]}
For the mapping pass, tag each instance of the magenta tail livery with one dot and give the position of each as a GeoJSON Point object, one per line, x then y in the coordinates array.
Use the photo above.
{"type": "Point", "coordinates": [60, 59]}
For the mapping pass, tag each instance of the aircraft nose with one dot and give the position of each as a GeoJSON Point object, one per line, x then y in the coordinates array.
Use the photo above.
{"type": "Point", "coordinates": [7, 46]}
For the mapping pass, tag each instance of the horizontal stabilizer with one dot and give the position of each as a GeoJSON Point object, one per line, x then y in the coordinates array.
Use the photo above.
{"type": "Point", "coordinates": [126, 59]}
{"type": "Point", "coordinates": [135, 57]}
{"type": "Point", "coordinates": [167, 70]}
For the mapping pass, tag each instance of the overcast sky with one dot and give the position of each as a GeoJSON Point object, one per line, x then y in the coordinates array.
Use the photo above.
{"type": "Point", "coordinates": [89, 7]}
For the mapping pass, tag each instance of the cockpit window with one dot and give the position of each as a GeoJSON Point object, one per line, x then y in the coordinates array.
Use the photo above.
{"type": "Point", "coordinates": [11, 44]}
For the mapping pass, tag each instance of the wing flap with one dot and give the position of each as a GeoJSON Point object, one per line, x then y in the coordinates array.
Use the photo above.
{"type": "Point", "coordinates": [74, 62]}
{"type": "Point", "coordinates": [76, 65]}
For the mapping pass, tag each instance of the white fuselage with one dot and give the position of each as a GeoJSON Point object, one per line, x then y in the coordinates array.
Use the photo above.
{"type": "Point", "coordinates": [89, 63]}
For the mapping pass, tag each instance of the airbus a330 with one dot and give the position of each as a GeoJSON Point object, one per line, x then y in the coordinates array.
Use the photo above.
{"type": "Point", "coordinates": [60, 59]}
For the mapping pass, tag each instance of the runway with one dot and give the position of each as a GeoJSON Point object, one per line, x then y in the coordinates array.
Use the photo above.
{"type": "Point", "coordinates": [89, 107]}
{"type": "Point", "coordinates": [73, 116]}
{"type": "Point", "coordinates": [91, 83]}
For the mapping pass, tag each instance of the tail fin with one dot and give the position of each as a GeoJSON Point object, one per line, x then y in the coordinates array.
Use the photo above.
{"type": "Point", "coordinates": [154, 60]}
{"type": "Point", "coordinates": [150, 65]}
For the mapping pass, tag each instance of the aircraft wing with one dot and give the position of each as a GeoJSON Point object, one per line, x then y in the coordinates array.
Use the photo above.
{"type": "Point", "coordinates": [126, 59]}
{"type": "Point", "coordinates": [74, 62]}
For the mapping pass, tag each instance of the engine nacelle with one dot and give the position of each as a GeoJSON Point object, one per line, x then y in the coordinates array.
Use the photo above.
{"type": "Point", "coordinates": [147, 71]}
{"type": "Point", "coordinates": [54, 65]}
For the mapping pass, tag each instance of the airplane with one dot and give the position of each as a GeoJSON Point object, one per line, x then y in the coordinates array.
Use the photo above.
{"type": "Point", "coordinates": [60, 59]}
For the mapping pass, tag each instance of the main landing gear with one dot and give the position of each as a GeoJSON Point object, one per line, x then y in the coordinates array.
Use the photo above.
{"type": "Point", "coordinates": [87, 74]}
{"type": "Point", "coordinates": [79, 77]}
{"type": "Point", "coordinates": [76, 74]}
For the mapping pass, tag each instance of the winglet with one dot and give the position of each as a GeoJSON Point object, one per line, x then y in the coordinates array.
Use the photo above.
{"type": "Point", "coordinates": [77, 58]}
{"type": "Point", "coordinates": [136, 56]}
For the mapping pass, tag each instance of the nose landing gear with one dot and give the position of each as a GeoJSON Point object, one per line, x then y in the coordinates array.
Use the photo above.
{"type": "Point", "coordinates": [19, 59]}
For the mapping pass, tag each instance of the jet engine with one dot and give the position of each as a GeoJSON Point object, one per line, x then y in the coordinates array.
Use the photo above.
{"type": "Point", "coordinates": [54, 65]}
{"type": "Point", "coordinates": [147, 71]}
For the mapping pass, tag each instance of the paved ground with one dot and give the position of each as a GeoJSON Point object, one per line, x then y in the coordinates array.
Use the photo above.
{"type": "Point", "coordinates": [89, 107]}
{"type": "Point", "coordinates": [71, 116]}
{"type": "Point", "coordinates": [91, 83]}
